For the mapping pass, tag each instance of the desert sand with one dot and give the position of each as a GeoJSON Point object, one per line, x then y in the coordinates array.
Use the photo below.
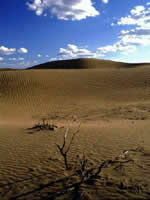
{"type": "Point", "coordinates": [111, 101]}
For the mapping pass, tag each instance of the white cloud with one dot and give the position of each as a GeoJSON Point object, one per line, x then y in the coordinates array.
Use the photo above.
{"type": "Point", "coordinates": [140, 56]}
{"type": "Point", "coordinates": [128, 40]}
{"type": "Point", "coordinates": [73, 51]}
{"type": "Point", "coordinates": [7, 51]}
{"type": "Point", "coordinates": [107, 49]}
{"type": "Point", "coordinates": [39, 55]}
{"type": "Point", "coordinates": [15, 59]}
{"type": "Point", "coordinates": [12, 59]}
{"type": "Point", "coordinates": [53, 59]}
{"type": "Point", "coordinates": [105, 1]}
{"type": "Point", "coordinates": [139, 16]}
{"type": "Point", "coordinates": [23, 50]}
{"type": "Point", "coordinates": [20, 59]}
{"type": "Point", "coordinates": [126, 49]}
{"type": "Point", "coordinates": [112, 24]}
{"type": "Point", "coordinates": [136, 32]}
{"type": "Point", "coordinates": [24, 64]}
{"type": "Point", "coordinates": [1, 58]}
{"type": "Point", "coordinates": [140, 35]}
{"type": "Point", "coordinates": [65, 9]}
{"type": "Point", "coordinates": [138, 10]}
{"type": "Point", "coordinates": [120, 47]}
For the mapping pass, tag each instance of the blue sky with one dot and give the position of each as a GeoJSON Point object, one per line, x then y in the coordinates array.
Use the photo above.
{"type": "Point", "coordinates": [37, 31]}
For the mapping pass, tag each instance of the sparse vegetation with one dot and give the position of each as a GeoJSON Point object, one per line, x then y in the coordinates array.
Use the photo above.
{"type": "Point", "coordinates": [86, 175]}
{"type": "Point", "coordinates": [44, 125]}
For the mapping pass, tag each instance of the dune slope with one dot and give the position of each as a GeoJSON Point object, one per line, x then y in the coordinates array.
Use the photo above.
{"type": "Point", "coordinates": [33, 92]}
{"type": "Point", "coordinates": [85, 63]}
{"type": "Point", "coordinates": [112, 104]}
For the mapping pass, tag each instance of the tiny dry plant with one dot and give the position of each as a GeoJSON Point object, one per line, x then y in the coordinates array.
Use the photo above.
{"type": "Point", "coordinates": [43, 125]}
{"type": "Point", "coordinates": [64, 148]}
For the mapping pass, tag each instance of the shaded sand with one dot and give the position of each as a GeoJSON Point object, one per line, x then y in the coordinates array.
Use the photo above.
{"type": "Point", "coordinates": [30, 160]}
{"type": "Point", "coordinates": [114, 109]}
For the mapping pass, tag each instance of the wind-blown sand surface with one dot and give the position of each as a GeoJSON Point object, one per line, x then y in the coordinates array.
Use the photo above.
{"type": "Point", "coordinates": [113, 105]}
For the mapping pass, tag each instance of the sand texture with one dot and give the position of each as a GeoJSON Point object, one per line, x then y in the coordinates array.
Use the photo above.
{"type": "Point", "coordinates": [112, 103]}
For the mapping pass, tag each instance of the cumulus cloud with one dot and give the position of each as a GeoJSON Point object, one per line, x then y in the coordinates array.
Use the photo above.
{"type": "Point", "coordinates": [120, 47]}
{"type": "Point", "coordinates": [129, 39]}
{"type": "Point", "coordinates": [137, 36]}
{"type": "Point", "coordinates": [23, 50]}
{"type": "Point", "coordinates": [139, 16]}
{"type": "Point", "coordinates": [136, 32]}
{"type": "Point", "coordinates": [105, 1]}
{"type": "Point", "coordinates": [107, 49]}
{"type": "Point", "coordinates": [1, 58]}
{"type": "Point", "coordinates": [65, 9]}
{"type": "Point", "coordinates": [7, 51]}
{"type": "Point", "coordinates": [140, 35]}
{"type": "Point", "coordinates": [138, 11]}
{"type": "Point", "coordinates": [136, 40]}
{"type": "Point", "coordinates": [39, 55]}
{"type": "Point", "coordinates": [73, 51]}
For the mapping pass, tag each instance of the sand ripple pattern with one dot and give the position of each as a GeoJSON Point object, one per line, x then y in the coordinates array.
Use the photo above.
{"type": "Point", "coordinates": [41, 91]}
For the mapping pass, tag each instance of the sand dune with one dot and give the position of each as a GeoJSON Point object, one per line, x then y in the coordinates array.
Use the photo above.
{"type": "Point", "coordinates": [86, 63]}
{"type": "Point", "coordinates": [6, 69]}
{"type": "Point", "coordinates": [112, 102]}
{"type": "Point", "coordinates": [45, 91]}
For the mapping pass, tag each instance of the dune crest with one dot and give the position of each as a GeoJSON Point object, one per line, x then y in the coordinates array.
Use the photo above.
{"type": "Point", "coordinates": [86, 63]}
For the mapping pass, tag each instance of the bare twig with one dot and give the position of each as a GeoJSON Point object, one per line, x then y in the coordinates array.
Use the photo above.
{"type": "Point", "coordinates": [63, 149]}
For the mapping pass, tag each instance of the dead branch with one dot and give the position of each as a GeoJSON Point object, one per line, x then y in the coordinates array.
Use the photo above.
{"type": "Point", "coordinates": [63, 149]}
{"type": "Point", "coordinates": [93, 173]}
{"type": "Point", "coordinates": [86, 176]}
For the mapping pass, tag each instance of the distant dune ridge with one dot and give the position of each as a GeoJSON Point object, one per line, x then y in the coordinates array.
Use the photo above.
{"type": "Point", "coordinates": [84, 63]}
{"type": "Point", "coordinates": [5, 69]}
{"type": "Point", "coordinates": [35, 92]}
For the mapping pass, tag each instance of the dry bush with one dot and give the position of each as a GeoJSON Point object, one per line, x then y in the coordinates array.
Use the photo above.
{"type": "Point", "coordinates": [43, 125]}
